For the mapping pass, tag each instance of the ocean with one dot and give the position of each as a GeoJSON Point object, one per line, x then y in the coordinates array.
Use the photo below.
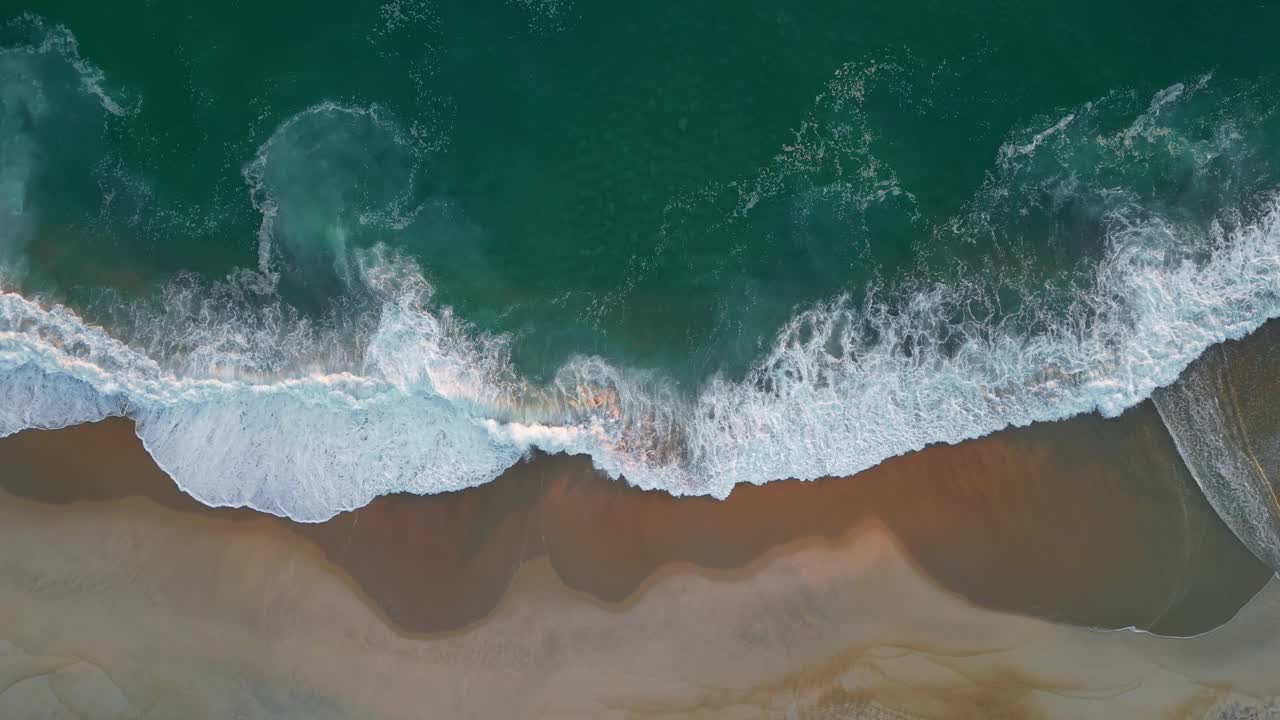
{"type": "Point", "coordinates": [324, 252]}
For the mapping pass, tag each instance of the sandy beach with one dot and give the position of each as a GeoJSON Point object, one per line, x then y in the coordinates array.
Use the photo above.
{"type": "Point", "coordinates": [946, 583]}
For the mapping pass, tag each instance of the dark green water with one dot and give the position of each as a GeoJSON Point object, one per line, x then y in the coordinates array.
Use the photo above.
{"type": "Point", "coordinates": [575, 163]}
{"type": "Point", "coordinates": [957, 215]}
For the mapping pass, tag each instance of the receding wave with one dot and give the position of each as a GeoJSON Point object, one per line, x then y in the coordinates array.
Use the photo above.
{"type": "Point", "coordinates": [245, 400]}
{"type": "Point", "coordinates": [1220, 415]}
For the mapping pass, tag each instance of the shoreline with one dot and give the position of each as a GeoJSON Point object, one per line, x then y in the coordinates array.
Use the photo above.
{"type": "Point", "coordinates": [1030, 520]}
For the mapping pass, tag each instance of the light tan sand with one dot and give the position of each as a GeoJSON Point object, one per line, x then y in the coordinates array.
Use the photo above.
{"type": "Point", "coordinates": [126, 609]}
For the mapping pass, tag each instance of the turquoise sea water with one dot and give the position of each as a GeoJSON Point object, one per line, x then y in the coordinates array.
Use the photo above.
{"type": "Point", "coordinates": [324, 251]}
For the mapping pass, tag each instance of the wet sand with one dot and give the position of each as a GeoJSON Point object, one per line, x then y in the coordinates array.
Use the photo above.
{"type": "Point", "coordinates": [1093, 522]}
{"type": "Point", "coordinates": [934, 585]}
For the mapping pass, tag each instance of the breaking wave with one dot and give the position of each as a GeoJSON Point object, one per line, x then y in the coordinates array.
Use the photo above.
{"type": "Point", "coordinates": [246, 401]}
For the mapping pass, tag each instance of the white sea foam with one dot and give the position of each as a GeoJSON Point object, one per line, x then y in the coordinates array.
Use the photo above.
{"type": "Point", "coordinates": [1009, 151]}
{"type": "Point", "coordinates": [44, 39]}
{"type": "Point", "coordinates": [243, 401]}
{"type": "Point", "coordinates": [304, 446]}
{"type": "Point", "coordinates": [429, 410]}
